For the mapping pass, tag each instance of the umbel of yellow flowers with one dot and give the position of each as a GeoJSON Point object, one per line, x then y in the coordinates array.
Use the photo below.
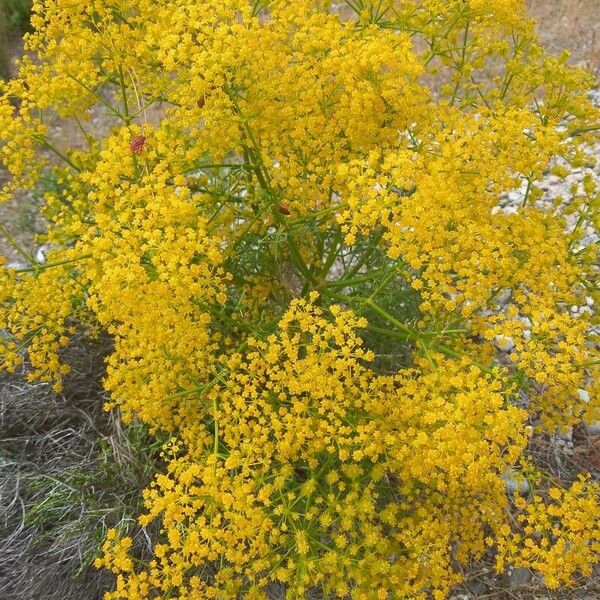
{"type": "Point", "coordinates": [285, 215]}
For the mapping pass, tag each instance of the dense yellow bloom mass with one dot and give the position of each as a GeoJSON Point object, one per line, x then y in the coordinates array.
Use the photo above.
{"type": "Point", "coordinates": [558, 538]}
{"type": "Point", "coordinates": [287, 217]}
{"type": "Point", "coordinates": [365, 481]}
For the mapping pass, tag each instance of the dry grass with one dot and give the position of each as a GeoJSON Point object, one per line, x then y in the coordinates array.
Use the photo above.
{"type": "Point", "coordinates": [68, 471]}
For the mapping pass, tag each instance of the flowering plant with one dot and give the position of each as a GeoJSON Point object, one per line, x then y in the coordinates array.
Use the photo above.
{"type": "Point", "coordinates": [288, 218]}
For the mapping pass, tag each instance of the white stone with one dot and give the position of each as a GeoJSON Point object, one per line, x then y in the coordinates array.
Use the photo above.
{"type": "Point", "coordinates": [515, 482]}
{"type": "Point", "coordinates": [584, 395]}
{"type": "Point", "coordinates": [16, 265]}
{"type": "Point", "coordinates": [515, 578]}
{"type": "Point", "coordinates": [40, 255]}
{"type": "Point", "coordinates": [514, 196]}
{"type": "Point", "coordinates": [526, 321]}
{"type": "Point", "coordinates": [504, 343]}
{"type": "Point", "coordinates": [566, 435]}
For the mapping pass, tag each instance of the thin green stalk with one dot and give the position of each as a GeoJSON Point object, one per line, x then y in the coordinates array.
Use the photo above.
{"type": "Point", "coordinates": [242, 166]}
{"type": "Point", "coordinates": [591, 363]}
{"type": "Point", "coordinates": [573, 240]}
{"type": "Point", "coordinates": [209, 385]}
{"type": "Point", "coordinates": [405, 336]}
{"type": "Point", "coordinates": [59, 263]}
{"type": "Point", "coordinates": [415, 335]}
{"type": "Point", "coordinates": [11, 240]}
{"type": "Point", "coordinates": [462, 62]}
{"type": "Point", "coordinates": [378, 289]}
{"type": "Point", "coordinates": [391, 319]}
{"type": "Point", "coordinates": [350, 281]}
{"type": "Point", "coordinates": [264, 179]}
{"type": "Point", "coordinates": [316, 214]}
{"type": "Point", "coordinates": [583, 130]}
{"type": "Point", "coordinates": [365, 257]}
{"type": "Point", "coordinates": [335, 248]}
{"type": "Point", "coordinates": [241, 237]}
{"type": "Point", "coordinates": [110, 108]}
{"type": "Point", "coordinates": [528, 190]}
{"type": "Point", "coordinates": [126, 115]}
{"type": "Point", "coordinates": [44, 142]}
{"type": "Point", "coordinates": [216, 434]}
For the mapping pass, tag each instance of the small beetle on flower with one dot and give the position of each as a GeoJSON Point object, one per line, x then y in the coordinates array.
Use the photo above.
{"type": "Point", "coordinates": [137, 144]}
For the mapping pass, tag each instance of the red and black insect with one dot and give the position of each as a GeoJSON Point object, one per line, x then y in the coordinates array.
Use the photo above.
{"type": "Point", "coordinates": [137, 144]}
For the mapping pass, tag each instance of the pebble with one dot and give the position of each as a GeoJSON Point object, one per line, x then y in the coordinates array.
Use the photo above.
{"type": "Point", "coordinates": [563, 441]}
{"type": "Point", "coordinates": [515, 196]}
{"type": "Point", "coordinates": [584, 395]}
{"type": "Point", "coordinates": [515, 483]}
{"type": "Point", "coordinates": [566, 435]}
{"type": "Point", "coordinates": [516, 578]}
{"type": "Point", "coordinates": [594, 97]}
{"type": "Point", "coordinates": [503, 297]}
{"type": "Point", "coordinates": [478, 588]}
{"type": "Point", "coordinates": [510, 210]}
{"type": "Point", "coordinates": [40, 255]}
{"type": "Point", "coordinates": [504, 343]}
{"type": "Point", "coordinates": [16, 265]}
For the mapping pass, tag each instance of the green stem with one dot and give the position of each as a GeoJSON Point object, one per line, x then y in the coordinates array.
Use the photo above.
{"type": "Point", "coordinates": [11, 240]}
{"type": "Point", "coordinates": [462, 62]}
{"type": "Point", "coordinates": [241, 237]}
{"type": "Point", "coordinates": [405, 337]}
{"type": "Point", "coordinates": [365, 257]}
{"type": "Point", "coordinates": [335, 248]}
{"type": "Point", "coordinates": [43, 266]}
{"type": "Point", "coordinates": [110, 108]}
{"type": "Point", "coordinates": [391, 319]}
{"type": "Point", "coordinates": [528, 190]}
{"type": "Point", "coordinates": [126, 115]}
{"type": "Point", "coordinates": [591, 363]}
{"type": "Point", "coordinates": [264, 179]}
{"type": "Point", "coordinates": [584, 130]}
{"type": "Point", "coordinates": [242, 166]}
{"type": "Point", "coordinates": [44, 142]}
{"type": "Point", "coordinates": [316, 214]}
{"type": "Point", "coordinates": [350, 281]}
{"type": "Point", "coordinates": [415, 335]}
{"type": "Point", "coordinates": [207, 386]}
{"type": "Point", "coordinates": [216, 422]}
{"type": "Point", "coordinates": [375, 292]}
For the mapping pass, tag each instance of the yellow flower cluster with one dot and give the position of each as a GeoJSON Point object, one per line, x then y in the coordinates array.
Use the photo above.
{"type": "Point", "coordinates": [288, 218]}
{"type": "Point", "coordinates": [315, 471]}
{"type": "Point", "coordinates": [558, 538]}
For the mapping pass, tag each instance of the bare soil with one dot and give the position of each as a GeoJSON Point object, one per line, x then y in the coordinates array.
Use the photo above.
{"type": "Point", "coordinates": [572, 25]}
